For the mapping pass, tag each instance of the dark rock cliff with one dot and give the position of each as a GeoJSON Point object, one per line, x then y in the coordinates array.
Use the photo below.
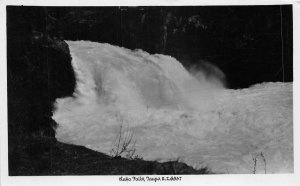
{"type": "Point", "coordinates": [38, 71]}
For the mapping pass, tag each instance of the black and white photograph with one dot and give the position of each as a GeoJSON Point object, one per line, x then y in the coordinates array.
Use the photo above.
{"type": "Point", "coordinates": [150, 92]}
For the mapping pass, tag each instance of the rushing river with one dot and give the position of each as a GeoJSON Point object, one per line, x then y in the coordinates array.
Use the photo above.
{"type": "Point", "coordinates": [171, 114]}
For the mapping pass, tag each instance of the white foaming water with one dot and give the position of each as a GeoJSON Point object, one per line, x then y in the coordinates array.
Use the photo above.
{"type": "Point", "coordinates": [173, 115]}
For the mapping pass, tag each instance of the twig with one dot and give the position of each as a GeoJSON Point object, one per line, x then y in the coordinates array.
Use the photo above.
{"type": "Point", "coordinates": [254, 158]}
{"type": "Point", "coordinates": [124, 142]}
{"type": "Point", "coordinates": [265, 162]}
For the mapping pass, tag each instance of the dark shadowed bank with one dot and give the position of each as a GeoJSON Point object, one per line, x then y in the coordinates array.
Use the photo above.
{"type": "Point", "coordinates": [46, 156]}
{"type": "Point", "coordinates": [251, 44]}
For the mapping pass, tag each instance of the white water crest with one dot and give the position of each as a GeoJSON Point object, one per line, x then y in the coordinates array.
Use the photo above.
{"type": "Point", "coordinates": [173, 115]}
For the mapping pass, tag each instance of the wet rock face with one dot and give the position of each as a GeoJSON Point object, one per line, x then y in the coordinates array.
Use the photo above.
{"type": "Point", "coordinates": [38, 71]}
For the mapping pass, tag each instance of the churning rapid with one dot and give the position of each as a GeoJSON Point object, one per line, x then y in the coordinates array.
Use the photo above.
{"type": "Point", "coordinates": [171, 114]}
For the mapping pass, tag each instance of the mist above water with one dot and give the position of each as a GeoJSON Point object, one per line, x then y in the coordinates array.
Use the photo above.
{"type": "Point", "coordinates": [174, 113]}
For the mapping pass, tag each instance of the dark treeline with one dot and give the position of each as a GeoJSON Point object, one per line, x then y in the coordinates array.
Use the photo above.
{"type": "Point", "coordinates": [243, 41]}
{"type": "Point", "coordinates": [251, 44]}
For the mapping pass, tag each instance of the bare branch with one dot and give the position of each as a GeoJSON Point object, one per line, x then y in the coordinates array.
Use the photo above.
{"type": "Point", "coordinates": [124, 143]}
